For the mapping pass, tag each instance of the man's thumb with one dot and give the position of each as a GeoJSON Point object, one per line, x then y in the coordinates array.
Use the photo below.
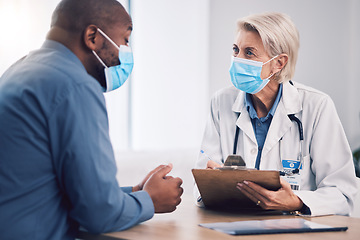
{"type": "Point", "coordinates": [165, 170]}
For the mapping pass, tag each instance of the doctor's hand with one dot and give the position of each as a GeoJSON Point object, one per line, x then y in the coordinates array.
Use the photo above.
{"type": "Point", "coordinates": [165, 191]}
{"type": "Point", "coordinates": [212, 165]}
{"type": "Point", "coordinates": [283, 199]}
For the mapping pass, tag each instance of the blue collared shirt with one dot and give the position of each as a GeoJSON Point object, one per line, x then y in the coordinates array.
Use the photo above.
{"type": "Point", "coordinates": [57, 167]}
{"type": "Point", "coordinates": [261, 125]}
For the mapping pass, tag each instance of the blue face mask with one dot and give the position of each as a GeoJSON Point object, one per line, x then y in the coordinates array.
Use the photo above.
{"type": "Point", "coordinates": [245, 74]}
{"type": "Point", "coordinates": [116, 76]}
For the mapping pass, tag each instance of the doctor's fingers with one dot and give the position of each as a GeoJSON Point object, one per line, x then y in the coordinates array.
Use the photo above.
{"type": "Point", "coordinates": [253, 195]}
{"type": "Point", "coordinates": [285, 185]}
{"type": "Point", "coordinates": [276, 200]}
{"type": "Point", "coordinates": [211, 164]}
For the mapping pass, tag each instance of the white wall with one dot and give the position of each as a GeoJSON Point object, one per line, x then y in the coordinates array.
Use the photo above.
{"type": "Point", "coordinates": [352, 116]}
{"type": "Point", "coordinates": [23, 28]}
{"type": "Point", "coordinates": [170, 76]}
{"type": "Point", "coordinates": [329, 48]}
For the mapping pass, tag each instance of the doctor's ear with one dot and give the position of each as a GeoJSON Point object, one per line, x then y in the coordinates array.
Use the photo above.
{"type": "Point", "coordinates": [280, 62]}
{"type": "Point", "coordinates": [91, 37]}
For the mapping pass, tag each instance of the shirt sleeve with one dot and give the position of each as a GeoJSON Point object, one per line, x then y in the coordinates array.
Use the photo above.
{"type": "Point", "coordinates": [85, 166]}
{"type": "Point", "coordinates": [126, 189]}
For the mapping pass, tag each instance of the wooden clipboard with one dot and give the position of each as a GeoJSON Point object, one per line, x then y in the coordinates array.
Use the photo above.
{"type": "Point", "coordinates": [218, 187]}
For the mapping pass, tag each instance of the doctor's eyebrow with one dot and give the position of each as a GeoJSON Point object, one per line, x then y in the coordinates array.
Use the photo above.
{"type": "Point", "coordinates": [253, 50]}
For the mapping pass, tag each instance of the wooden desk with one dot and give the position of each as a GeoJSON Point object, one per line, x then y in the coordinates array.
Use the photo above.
{"type": "Point", "coordinates": [183, 225]}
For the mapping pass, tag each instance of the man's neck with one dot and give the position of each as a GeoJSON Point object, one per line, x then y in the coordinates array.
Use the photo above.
{"type": "Point", "coordinates": [68, 39]}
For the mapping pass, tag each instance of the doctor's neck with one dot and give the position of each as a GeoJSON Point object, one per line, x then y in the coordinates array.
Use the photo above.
{"type": "Point", "coordinates": [264, 100]}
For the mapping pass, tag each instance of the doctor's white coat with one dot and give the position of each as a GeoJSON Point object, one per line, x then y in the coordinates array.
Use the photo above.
{"type": "Point", "coordinates": [328, 182]}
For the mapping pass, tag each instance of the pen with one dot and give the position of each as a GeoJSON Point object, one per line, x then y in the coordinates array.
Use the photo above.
{"type": "Point", "coordinates": [202, 151]}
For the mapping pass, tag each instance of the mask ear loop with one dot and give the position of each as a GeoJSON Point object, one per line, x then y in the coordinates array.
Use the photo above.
{"type": "Point", "coordinates": [269, 76]}
{"type": "Point", "coordinates": [268, 62]}
{"type": "Point", "coordinates": [109, 39]}
{"type": "Point", "coordinates": [97, 56]}
{"type": "Point", "coordinates": [105, 36]}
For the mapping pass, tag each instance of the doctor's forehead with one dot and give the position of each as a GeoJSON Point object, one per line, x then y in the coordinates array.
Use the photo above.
{"type": "Point", "coordinates": [245, 39]}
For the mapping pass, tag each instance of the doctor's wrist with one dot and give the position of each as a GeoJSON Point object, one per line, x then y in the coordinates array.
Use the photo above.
{"type": "Point", "coordinates": [303, 210]}
{"type": "Point", "coordinates": [296, 205]}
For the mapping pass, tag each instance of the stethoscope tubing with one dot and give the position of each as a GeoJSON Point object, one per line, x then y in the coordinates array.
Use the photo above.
{"type": "Point", "coordinates": [293, 118]}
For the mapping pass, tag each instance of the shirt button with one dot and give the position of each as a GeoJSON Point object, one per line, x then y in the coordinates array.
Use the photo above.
{"type": "Point", "coordinates": [253, 151]}
{"type": "Point", "coordinates": [259, 124]}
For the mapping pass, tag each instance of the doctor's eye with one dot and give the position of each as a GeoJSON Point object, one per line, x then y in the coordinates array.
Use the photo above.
{"type": "Point", "coordinates": [235, 50]}
{"type": "Point", "coordinates": [249, 52]}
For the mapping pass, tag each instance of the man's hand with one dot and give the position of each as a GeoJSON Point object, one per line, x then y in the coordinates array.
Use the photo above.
{"type": "Point", "coordinates": [140, 186]}
{"type": "Point", "coordinates": [283, 199]}
{"type": "Point", "coordinates": [165, 191]}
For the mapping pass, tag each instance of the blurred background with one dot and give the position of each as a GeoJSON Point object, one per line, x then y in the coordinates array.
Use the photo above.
{"type": "Point", "coordinates": [182, 52]}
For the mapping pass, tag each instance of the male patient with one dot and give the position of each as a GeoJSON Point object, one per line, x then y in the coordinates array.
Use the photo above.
{"type": "Point", "coordinates": [57, 168]}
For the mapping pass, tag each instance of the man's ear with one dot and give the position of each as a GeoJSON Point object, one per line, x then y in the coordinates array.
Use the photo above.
{"type": "Point", "coordinates": [91, 37]}
{"type": "Point", "coordinates": [280, 62]}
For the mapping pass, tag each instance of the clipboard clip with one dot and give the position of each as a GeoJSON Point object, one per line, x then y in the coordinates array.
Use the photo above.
{"type": "Point", "coordinates": [232, 168]}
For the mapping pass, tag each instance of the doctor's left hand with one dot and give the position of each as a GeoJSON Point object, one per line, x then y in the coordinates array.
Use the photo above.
{"type": "Point", "coordinates": [283, 199]}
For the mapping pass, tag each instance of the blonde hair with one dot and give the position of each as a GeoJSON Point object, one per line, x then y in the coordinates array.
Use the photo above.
{"type": "Point", "coordinates": [279, 35]}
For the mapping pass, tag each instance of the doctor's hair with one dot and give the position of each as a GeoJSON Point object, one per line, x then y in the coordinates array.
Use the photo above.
{"type": "Point", "coordinates": [279, 35]}
{"type": "Point", "coordinates": [75, 15]}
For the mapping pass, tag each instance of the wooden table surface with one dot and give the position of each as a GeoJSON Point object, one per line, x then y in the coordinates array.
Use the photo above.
{"type": "Point", "coordinates": [183, 225]}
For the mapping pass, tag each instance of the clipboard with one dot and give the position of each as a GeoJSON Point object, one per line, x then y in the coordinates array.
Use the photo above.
{"type": "Point", "coordinates": [218, 186]}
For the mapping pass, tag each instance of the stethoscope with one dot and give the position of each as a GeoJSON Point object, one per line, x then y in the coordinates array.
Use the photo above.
{"type": "Point", "coordinates": [293, 118]}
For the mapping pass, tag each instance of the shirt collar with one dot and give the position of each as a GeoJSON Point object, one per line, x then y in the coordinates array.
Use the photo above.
{"type": "Point", "coordinates": [250, 107]}
{"type": "Point", "coordinates": [57, 46]}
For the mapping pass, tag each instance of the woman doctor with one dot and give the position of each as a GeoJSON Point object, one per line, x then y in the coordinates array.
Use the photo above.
{"type": "Point", "coordinates": [277, 124]}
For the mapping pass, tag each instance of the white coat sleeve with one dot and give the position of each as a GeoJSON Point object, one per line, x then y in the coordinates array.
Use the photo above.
{"type": "Point", "coordinates": [331, 162]}
{"type": "Point", "coordinates": [211, 144]}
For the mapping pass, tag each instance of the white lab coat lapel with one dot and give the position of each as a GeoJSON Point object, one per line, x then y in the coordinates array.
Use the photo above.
{"type": "Point", "coordinates": [289, 104]}
{"type": "Point", "coordinates": [243, 121]}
